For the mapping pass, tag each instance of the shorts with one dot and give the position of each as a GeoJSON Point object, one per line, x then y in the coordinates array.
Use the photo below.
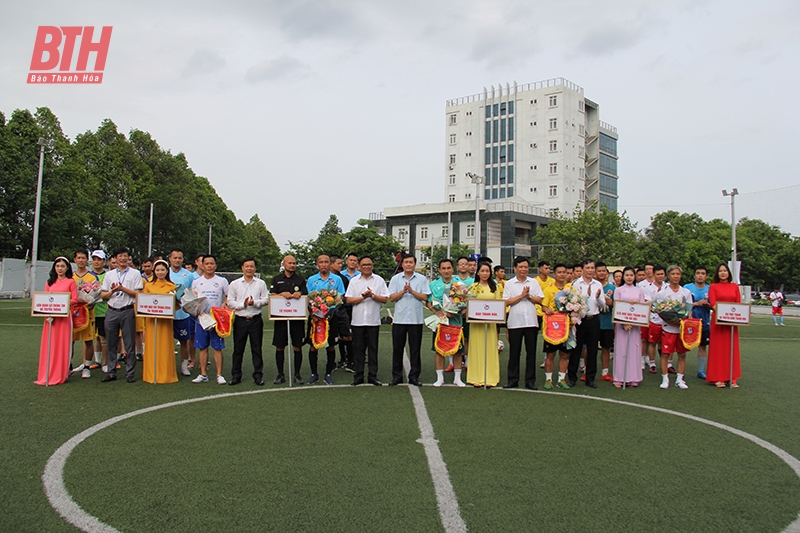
{"type": "Point", "coordinates": [706, 337]}
{"type": "Point", "coordinates": [100, 326]}
{"type": "Point", "coordinates": [203, 338]}
{"type": "Point", "coordinates": [552, 348]}
{"type": "Point", "coordinates": [180, 329]}
{"type": "Point", "coordinates": [654, 333]}
{"type": "Point", "coordinates": [280, 338]}
{"type": "Point", "coordinates": [777, 310]}
{"type": "Point", "coordinates": [671, 343]}
{"type": "Point", "coordinates": [607, 338]}
{"type": "Point", "coordinates": [643, 330]}
{"type": "Point", "coordinates": [192, 326]}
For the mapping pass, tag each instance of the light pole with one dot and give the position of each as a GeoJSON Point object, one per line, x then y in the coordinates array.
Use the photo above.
{"type": "Point", "coordinates": [477, 180]}
{"type": "Point", "coordinates": [209, 238]}
{"type": "Point", "coordinates": [43, 143]}
{"type": "Point", "coordinates": [734, 269]}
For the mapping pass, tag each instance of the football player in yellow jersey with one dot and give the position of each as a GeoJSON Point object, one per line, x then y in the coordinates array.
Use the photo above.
{"type": "Point", "coordinates": [83, 275]}
{"type": "Point", "coordinates": [549, 307]}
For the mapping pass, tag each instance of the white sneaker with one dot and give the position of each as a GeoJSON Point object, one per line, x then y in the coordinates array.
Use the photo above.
{"type": "Point", "coordinates": [664, 384]}
{"type": "Point", "coordinates": [78, 368]}
{"type": "Point", "coordinates": [459, 383]}
{"type": "Point", "coordinates": [104, 368]}
{"type": "Point", "coordinates": [185, 368]}
{"type": "Point", "coordinates": [200, 379]}
{"type": "Point", "coordinates": [438, 383]}
{"type": "Point", "coordinates": [220, 380]}
{"type": "Point", "coordinates": [86, 374]}
{"type": "Point", "coordinates": [681, 384]}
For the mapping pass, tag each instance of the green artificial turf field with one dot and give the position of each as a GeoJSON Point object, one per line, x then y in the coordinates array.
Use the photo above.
{"type": "Point", "coordinates": [347, 459]}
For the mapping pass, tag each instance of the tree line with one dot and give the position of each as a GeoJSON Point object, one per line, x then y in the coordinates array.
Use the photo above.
{"type": "Point", "coordinates": [97, 190]}
{"type": "Point", "coordinates": [770, 257]}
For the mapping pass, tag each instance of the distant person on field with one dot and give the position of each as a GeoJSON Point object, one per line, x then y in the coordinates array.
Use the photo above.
{"type": "Point", "coordinates": [777, 299]}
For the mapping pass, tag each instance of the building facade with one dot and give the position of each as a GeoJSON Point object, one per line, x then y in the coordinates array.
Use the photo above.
{"type": "Point", "coordinates": [540, 143]}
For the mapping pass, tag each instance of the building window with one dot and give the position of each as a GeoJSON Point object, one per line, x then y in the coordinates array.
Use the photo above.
{"type": "Point", "coordinates": [510, 153]}
{"type": "Point", "coordinates": [452, 138]}
{"type": "Point", "coordinates": [608, 164]}
{"type": "Point", "coordinates": [452, 159]}
{"type": "Point", "coordinates": [469, 134]}
{"type": "Point", "coordinates": [471, 230]}
{"type": "Point", "coordinates": [468, 196]}
{"type": "Point", "coordinates": [502, 154]}
{"type": "Point", "coordinates": [503, 192]}
{"type": "Point", "coordinates": [502, 130]}
{"type": "Point", "coordinates": [488, 111]}
{"type": "Point", "coordinates": [581, 106]}
{"type": "Point", "coordinates": [553, 168]}
{"type": "Point", "coordinates": [495, 109]}
{"type": "Point", "coordinates": [581, 173]}
{"type": "Point", "coordinates": [553, 123]}
{"type": "Point", "coordinates": [553, 146]}
{"type": "Point", "coordinates": [488, 194]}
{"type": "Point", "coordinates": [581, 151]}
{"type": "Point", "coordinates": [582, 195]}
{"type": "Point", "coordinates": [553, 101]}
{"type": "Point", "coordinates": [469, 113]}
{"type": "Point", "coordinates": [452, 119]}
{"type": "Point", "coordinates": [423, 232]}
{"type": "Point", "coordinates": [511, 107]}
{"type": "Point", "coordinates": [502, 175]}
{"type": "Point", "coordinates": [401, 235]}
{"type": "Point", "coordinates": [452, 198]}
{"type": "Point", "coordinates": [468, 154]}
{"type": "Point", "coordinates": [553, 191]}
{"type": "Point", "coordinates": [581, 130]}
{"type": "Point", "coordinates": [608, 144]}
{"type": "Point", "coordinates": [510, 192]}
{"type": "Point", "coordinates": [511, 174]}
{"type": "Point", "coordinates": [445, 231]}
{"type": "Point", "coordinates": [503, 108]}
{"type": "Point", "coordinates": [510, 128]}
{"type": "Point", "coordinates": [495, 135]}
{"type": "Point", "coordinates": [494, 193]}
{"type": "Point", "coordinates": [452, 179]}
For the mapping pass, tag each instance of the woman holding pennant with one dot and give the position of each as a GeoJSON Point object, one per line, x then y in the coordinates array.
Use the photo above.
{"type": "Point", "coordinates": [627, 337]}
{"type": "Point", "coordinates": [163, 348]}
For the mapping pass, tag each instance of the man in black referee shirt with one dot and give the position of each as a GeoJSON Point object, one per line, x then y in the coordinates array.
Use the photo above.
{"type": "Point", "coordinates": [289, 285]}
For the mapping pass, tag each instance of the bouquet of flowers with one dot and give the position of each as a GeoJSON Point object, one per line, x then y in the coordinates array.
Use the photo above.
{"type": "Point", "coordinates": [474, 290]}
{"type": "Point", "coordinates": [89, 292]}
{"type": "Point", "coordinates": [456, 299]}
{"type": "Point", "coordinates": [193, 302]}
{"type": "Point", "coordinates": [671, 310]}
{"type": "Point", "coordinates": [323, 302]}
{"type": "Point", "coordinates": [572, 303]}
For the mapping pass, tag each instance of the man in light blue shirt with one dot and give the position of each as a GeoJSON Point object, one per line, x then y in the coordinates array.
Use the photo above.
{"type": "Point", "coordinates": [325, 279]}
{"type": "Point", "coordinates": [702, 310]}
{"type": "Point", "coordinates": [182, 326]}
{"type": "Point", "coordinates": [408, 290]}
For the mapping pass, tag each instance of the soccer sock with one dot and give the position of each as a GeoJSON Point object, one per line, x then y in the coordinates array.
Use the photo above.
{"type": "Point", "coordinates": [701, 363]}
{"type": "Point", "coordinates": [457, 376]}
{"type": "Point", "coordinates": [605, 371]}
{"type": "Point", "coordinates": [279, 359]}
{"type": "Point", "coordinates": [679, 377]}
{"type": "Point", "coordinates": [781, 320]}
{"type": "Point", "coordinates": [561, 376]}
{"type": "Point", "coordinates": [98, 357]}
{"type": "Point", "coordinates": [775, 320]}
{"type": "Point", "coordinates": [548, 376]}
{"type": "Point", "coordinates": [583, 363]}
{"type": "Point", "coordinates": [440, 375]}
{"type": "Point", "coordinates": [652, 363]}
{"type": "Point", "coordinates": [669, 364]}
{"type": "Point", "coordinates": [450, 360]}
{"type": "Point", "coordinates": [664, 378]}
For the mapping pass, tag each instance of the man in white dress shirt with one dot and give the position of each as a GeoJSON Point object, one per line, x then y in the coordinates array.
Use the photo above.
{"type": "Point", "coordinates": [587, 333]}
{"type": "Point", "coordinates": [246, 296]}
{"type": "Point", "coordinates": [366, 293]}
{"type": "Point", "coordinates": [521, 294]}
{"type": "Point", "coordinates": [119, 288]}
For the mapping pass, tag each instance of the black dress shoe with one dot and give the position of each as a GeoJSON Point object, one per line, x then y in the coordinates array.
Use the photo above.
{"type": "Point", "coordinates": [591, 384]}
{"type": "Point", "coordinates": [131, 379]}
{"type": "Point", "coordinates": [531, 386]}
{"type": "Point", "coordinates": [108, 378]}
{"type": "Point", "coordinates": [376, 383]}
{"type": "Point", "coordinates": [234, 381]}
{"type": "Point", "coordinates": [260, 382]}
{"type": "Point", "coordinates": [280, 379]}
{"type": "Point", "coordinates": [395, 382]}
{"type": "Point", "coordinates": [414, 382]}
{"type": "Point", "coordinates": [571, 383]}
{"type": "Point", "coordinates": [357, 382]}
{"type": "Point", "coordinates": [511, 386]}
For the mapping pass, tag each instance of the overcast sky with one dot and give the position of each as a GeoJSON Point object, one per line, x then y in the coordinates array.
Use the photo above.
{"type": "Point", "coordinates": [295, 110]}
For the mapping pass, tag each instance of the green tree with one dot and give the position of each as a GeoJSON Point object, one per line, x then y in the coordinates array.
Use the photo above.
{"type": "Point", "coordinates": [600, 235]}
{"type": "Point", "coordinates": [457, 250]}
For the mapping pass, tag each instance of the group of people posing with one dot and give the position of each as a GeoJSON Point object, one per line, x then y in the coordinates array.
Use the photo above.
{"type": "Point", "coordinates": [355, 324]}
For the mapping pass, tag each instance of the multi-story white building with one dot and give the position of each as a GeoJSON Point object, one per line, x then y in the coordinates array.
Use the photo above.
{"type": "Point", "coordinates": [541, 144]}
